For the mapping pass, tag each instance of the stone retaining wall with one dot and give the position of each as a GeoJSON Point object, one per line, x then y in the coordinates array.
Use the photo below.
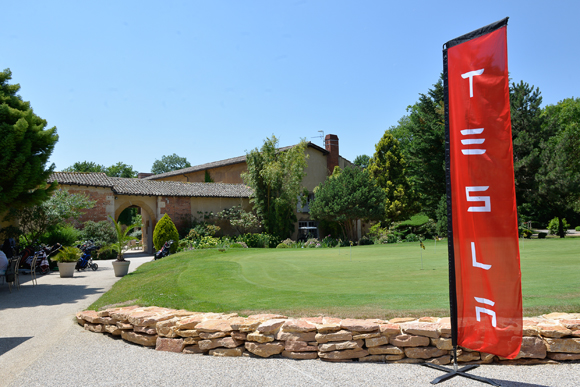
{"type": "Point", "coordinates": [550, 338]}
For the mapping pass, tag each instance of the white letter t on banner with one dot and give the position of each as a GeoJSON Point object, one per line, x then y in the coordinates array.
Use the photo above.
{"type": "Point", "coordinates": [470, 76]}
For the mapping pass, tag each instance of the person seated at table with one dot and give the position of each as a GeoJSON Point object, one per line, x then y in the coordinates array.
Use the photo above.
{"type": "Point", "coordinates": [3, 263]}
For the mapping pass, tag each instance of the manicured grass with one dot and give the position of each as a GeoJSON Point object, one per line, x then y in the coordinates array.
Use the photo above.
{"type": "Point", "coordinates": [376, 281]}
{"type": "Point", "coordinates": [416, 220]}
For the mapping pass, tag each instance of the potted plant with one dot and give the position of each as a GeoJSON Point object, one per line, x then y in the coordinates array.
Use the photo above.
{"type": "Point", "coordinates": [67, 260]}
{"type": "Point", "coordinates": [121, 266]}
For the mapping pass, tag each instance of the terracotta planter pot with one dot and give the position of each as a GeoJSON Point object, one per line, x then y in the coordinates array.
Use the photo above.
{"type": "Point", "coordinates": [121, 268]}
{"type": "Point", "coordinates": [66, 269]}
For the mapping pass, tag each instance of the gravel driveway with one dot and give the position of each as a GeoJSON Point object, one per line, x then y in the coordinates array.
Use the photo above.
{"type": "Point", "coordinates": [41, 345]}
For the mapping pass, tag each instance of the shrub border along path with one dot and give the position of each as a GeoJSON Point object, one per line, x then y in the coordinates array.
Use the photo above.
{"type": "Point", "coordinates": [547, 339]}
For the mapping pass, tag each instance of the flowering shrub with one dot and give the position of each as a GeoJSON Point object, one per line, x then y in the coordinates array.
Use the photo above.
{"type": "Point", "coordinates": [328, 241]}
{"type": "Point", "coordinates": [241, 220]}
{"type": "Point", "coordinates": [202, 230]}
{"type": "Point", "coordinates": [312, 243]}
{"type": "Point", "coordinates": [207, 242]}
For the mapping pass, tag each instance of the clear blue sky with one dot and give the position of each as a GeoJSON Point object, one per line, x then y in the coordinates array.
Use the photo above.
{"type": "Point", "coordinates": [132, 81]}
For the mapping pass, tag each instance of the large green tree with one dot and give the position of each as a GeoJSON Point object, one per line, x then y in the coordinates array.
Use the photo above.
{"type": "Point", "coordinates": [558, 178]}
{"type": "Point", "coordinates": [528, 133]}
{"type": "Point", "coordinates": [362, 161]}
{"type": "Point", "coordinates": [422, 137]}
{"type": "Point", "coordinates": [388, 168]}
{"type": "Point", "coordinates": [61, 207]}
{"type": "Point", "coordinates": [347, 197]}
{"type": "Point", "coordinates": [121, 170]}
{"type": "Point", "coordinates": [169, 163]}
{"type": "Point", "coordinates": [26, 144]}
{"type": "Point", "coordinates": [276, 179]}
{"type": "Point", "coordinates": [421, 134]}
{"type": "Point", "coordinates": [85, 166]}
{"type": "Point", "coordinates": [116, 170]}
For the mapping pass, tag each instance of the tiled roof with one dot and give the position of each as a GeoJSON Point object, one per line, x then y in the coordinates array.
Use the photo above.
{"type": "Point", "coordinates": [221, 163]}
{"type": "Point", "coordinates": [91, 179]}
{"type": "Point", "coordinates": [125, 186]}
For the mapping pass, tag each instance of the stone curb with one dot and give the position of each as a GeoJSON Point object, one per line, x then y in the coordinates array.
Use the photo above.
{"type": "Point", "coordinates": [549, 338]}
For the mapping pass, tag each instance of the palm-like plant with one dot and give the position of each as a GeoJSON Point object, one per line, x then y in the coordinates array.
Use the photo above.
{"type": "Point", "coordinates": [68, 254]}
{"type": "Point", "coordinates": [123, 239]}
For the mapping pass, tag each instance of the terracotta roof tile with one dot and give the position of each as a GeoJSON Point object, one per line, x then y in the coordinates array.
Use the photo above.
{"type": "Point", "coordinates": [91, 179]}
{"type": "Point", "coordinates": [125, 186]}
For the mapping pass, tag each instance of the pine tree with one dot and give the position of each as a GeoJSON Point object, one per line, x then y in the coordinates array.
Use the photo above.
{"type": "Point", "coordinates": [388, 168]}
{"type": "Point", "coordinates": [25, 148]}
{"type": "Point", "coordinates": [527, 135]}
{"type": "Point", "coordinates": [422, 137]}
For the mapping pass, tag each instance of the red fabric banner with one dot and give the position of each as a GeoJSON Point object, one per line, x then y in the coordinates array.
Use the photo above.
{"type": "Point", "coordinates": [484, 217]}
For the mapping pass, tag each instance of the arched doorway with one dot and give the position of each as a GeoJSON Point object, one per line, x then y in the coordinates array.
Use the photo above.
{"type": "Point", "coordinates": [148, 217]}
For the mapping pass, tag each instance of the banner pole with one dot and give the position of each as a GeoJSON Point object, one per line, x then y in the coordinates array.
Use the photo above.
{"type": "Point", "coordinates": [450, 246]}
{"type": "Point", "coordinates": [455, 371]}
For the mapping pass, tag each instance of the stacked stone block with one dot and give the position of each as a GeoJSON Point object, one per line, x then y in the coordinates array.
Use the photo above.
{"type": "Point", "coordinates": [549, 338]}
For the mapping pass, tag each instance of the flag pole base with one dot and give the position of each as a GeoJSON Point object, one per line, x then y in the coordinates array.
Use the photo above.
{"type": "Point", "coordinates": [450, 373]}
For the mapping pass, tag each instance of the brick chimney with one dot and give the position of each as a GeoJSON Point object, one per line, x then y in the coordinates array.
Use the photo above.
{"type": "Point", "coordinates": [331, 145]}
{"type": "Point", "coordinates": [144, 174]}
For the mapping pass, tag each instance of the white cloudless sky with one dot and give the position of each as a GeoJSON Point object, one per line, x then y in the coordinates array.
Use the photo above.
{"type": "Point", "coordinates": [132, 81]}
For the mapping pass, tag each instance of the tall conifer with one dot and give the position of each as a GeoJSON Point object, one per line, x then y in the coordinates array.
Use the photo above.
{"type": "Point", "coordinates": [25, 146]}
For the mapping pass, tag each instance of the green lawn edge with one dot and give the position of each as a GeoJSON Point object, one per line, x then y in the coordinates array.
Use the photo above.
{"type": "Point", "coordinates": [377, 281]}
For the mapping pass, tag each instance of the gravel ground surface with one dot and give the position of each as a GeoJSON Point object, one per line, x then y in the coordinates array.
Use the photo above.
{"type": "Point", "coordinates": [41, 345]}
{"type": "Point", "coordinates": [99, 360]}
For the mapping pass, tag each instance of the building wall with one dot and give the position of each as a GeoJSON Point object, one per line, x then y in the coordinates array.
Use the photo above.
{"type": "Point", "coordinates": [201, 206]}
{"type": "Point", "coordinates": [181, 209]}
{"type": "Point", "coordinates": [104, 206]}
{"type": "Point", "coordinates": [343, 163]}
{"type": "Point", "coordinates": [177, 207]}
{"type": "Point", "coordinates": [229, 174]}
{"type": "Point", "coordinates": [316, 172]}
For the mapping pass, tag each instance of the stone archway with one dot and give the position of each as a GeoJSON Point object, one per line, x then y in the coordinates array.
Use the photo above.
{"type": "Point", "coordinates": [149, 220]}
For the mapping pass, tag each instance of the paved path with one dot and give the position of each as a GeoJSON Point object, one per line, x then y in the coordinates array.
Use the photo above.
{"type": "Point", "coordinates": [36, 318]}
{"type": "Point", "coordinates": [41, 345]}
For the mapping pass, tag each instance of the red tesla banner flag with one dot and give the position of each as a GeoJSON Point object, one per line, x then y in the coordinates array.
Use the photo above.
{"type": "Point", "coordinates": [484, 217]}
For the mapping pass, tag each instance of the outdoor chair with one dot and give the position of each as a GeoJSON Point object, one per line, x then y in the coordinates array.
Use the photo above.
{"type": "Point", "coordinates": [10, 275]}
{"type": "Point", "coordinates": [33, 269]}
{"type": "Point", "coordinates": [18, 259]}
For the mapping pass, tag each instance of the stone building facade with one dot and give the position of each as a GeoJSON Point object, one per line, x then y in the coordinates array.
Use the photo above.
{"type": "Point", "coordinates": [321, 164]}
{"type": "Point", "coordinates": [183, 194]}
{"type": "Point", "coordinates": [180, 201]}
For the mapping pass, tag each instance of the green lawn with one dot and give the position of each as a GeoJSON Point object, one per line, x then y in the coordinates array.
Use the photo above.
{"type": "Point", "coordinates": [376, 281]}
